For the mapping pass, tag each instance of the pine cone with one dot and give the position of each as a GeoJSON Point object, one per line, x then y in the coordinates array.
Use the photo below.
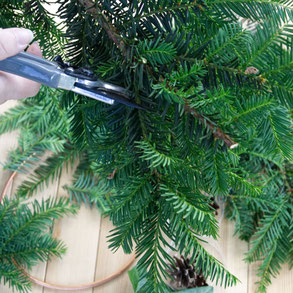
{"type": "Point", "coordinates": [184, 274]}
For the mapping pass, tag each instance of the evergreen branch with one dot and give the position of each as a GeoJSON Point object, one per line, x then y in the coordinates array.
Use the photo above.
{"type": "Point", "coordinates": [237, 209]}
{"type": "Point", "coordinates": [24, 237]}
{"type": "Point", "coordinates": [271, 33]}
{"type": "Point", "coordinates": [283, 92]}
{"type": "Point", "coordinates": [153, 257]}
{"type": "Point", "coordinates": [32, 145]}
{"type": "Point", "coordinates": [36, 221]}
{"type": "Point", "coordinates": [82, 189]}
{"type": "Point", "coordinates": [275, 254]}
{"type": "Point", "coordinates": [193, 210]}
{"type": "Point", "coordinates": [244, 186]}
{"type": "Point", "coordinates": [50, 170]}
{"type": "Point", "coordinates": [253, 109]}
{"type": "Point", "coordinates": [89, 190]}
{"type": "Point", "coordinates": [185, 62]}
{"type": "Point", "coordinates": [252, 9]}
{"type": "Point", "coordinates": [134, 195]}
{"type": "Point", "coordinates": [95, 11]}
{"type": "Point", "coordinates": [215, 173]}
{"type": "Point", "coordinates": [130, 229]}
{"type": "Point", "coordinates": [6, 210]}
{"type": "Point", "coordinates": [276, 133]}
{"type": "Point", "coordinates": [13, 118]}
{"type": "Point", "coordinates": [266, 270]}
{"type": "Point", "coordinates": [40, 248]}
{"type": "Point", "coordinates": [272, 158]}
{"type": "Point", "coordinates": [156, 52]}
{"type": "Point", "coordinates": [14, 277]}
{"type": "Point", "coordinates": [156, 158]}
{"type": "Point", "coordinates": [189, 244]}
{"type": "Point", "coordinates": [229, 37]}
{"type": "Point", "coordinates": [272, 225]}
{"type": "Point", "coordinates": [262, 201]}
{"type": "Point", "coordinates": [173, 8]}
{"type": "Point", "coordinates": [237, 71]}
{"type": "Point", "coordinates": [282, 63]}
{"type": "Point", "coordinates": [217, 132]}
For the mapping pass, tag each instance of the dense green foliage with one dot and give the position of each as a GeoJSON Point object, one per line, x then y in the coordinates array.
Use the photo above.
{"type": "Point", "coordinates": [218, 121]}
{"type": "Point", "coordinates": [25, 238]}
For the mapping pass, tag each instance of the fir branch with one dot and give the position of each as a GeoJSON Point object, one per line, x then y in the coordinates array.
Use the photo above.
{"type": "Point", "coordinates": [155, 157]}
{"type": "Point", "coordinates": [130, 229]}
{"type": "Point", "coordinates": [190, 244]}
{"type": "Point", "coordinates": [173, 8]}
{"type": "Point", "coordinates": [41, 248]}
{"type": "Point", "coordinates": [229, 38]}
{"type": "Point", "coordinates": [112, 33]}
{"type": "Point", "coordinates": [89, 190]}
{"type": "Point", "coordinates": [217, 131]}
{"type": "Point", "coordinates": [133, 195]}
{"type": "Point", "coordinates": [237, 71]}
{"type": "Point", "coordinates": [237, 210]}
{"type": "Point", "coordinates": [24, 239]}
{"type": "Point", "coordinates": [276, 133]}
{"type": "Point", "coordinates": [95, 10]}
{"type": "Point", "coordinates": [271, 243]}
{"type": "Point", "coordinates": [192, 208]}
{"type": "Point", "coordinates": [13, 118]}
{"type": "Point", "coordinates": [14, 277]}
{"type": "Point", "coordinates": [49, 171]}
{"type": "Point", "coordinates": [253, 9]}
{"type": "Point", "coordinates": [37, 220]}
{"type": "Point", "coordinates": [153, 258]}
{"type": "Point", "coordinates": [199, 48]}
{"type": "Point", "coordinates": [268, 231]}
{"type": "Point", "coordinates": [244, 186]}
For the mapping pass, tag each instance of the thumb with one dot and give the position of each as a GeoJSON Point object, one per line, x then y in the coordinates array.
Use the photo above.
{"type": "Point", "coordinates": [13, 41]}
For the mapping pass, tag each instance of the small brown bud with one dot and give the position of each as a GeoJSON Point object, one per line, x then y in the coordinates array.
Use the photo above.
{"type": "Point", "coordinates": [251, 70]}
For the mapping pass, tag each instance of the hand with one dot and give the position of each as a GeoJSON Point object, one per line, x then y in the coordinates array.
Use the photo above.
{"type": "Point", "coordinates": [12, 42]}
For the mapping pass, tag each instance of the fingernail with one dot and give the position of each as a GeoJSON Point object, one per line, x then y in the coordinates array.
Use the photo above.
{"type": "Point", "coordinates": [35, 46]}
{"type": "Point", "coordinates": [36, 43]}
{"type": "Point", "coordinates": [24, 37]}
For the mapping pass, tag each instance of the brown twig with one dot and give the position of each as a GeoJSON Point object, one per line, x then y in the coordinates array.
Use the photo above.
{"type": "Point", "coordinates": [217, 132]}
{"type": "Point", "coordinates": [111, 31]}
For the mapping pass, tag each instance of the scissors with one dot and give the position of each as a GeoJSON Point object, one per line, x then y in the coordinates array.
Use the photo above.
{"type": "Point", "coordinates": [61, 75]}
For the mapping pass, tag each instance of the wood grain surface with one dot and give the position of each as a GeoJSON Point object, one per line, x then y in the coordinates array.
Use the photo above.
{"type": "Point", "coordinates": [88, 257]}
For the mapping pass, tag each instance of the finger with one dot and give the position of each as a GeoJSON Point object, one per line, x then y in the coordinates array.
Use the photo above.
{"type": "Point", "coordinates": [13, 41]}
{"type": "Point", "coordinates": [35, 49]}
{"type": "Point", "coordinates": [27, 88]}
{"type": "Point", "coordinates": [31, 88]}
{"type": "Point", "coordinates": [16, 87]}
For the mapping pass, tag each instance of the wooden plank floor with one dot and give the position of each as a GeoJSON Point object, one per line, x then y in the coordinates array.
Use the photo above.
{"type": "Point", "coordinates": [88, 257]}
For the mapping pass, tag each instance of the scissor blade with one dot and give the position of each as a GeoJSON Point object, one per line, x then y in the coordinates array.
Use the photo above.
{"type": "Point", "coordinates": [105, 95]}
{"type": "Point", "coordinates": [122, 99]}
{"type": "Point", "coordinates": [93, 94]}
